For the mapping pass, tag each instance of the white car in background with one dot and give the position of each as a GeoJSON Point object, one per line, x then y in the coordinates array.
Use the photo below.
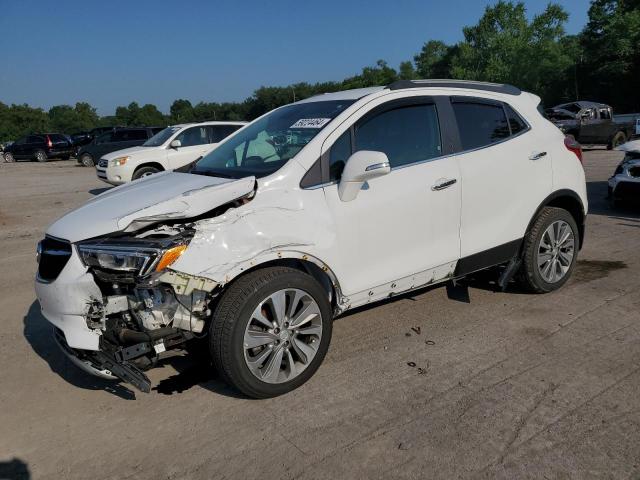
{"type": "Point", "coordinates": [172, 148]}
{"type": "Point", "coordinates": [624, 184]}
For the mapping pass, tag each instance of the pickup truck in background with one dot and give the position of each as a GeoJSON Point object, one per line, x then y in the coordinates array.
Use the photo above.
{"type": "Point", "coordinates": [591, 123]}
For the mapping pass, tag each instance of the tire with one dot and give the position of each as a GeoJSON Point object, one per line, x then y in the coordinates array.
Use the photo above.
{"type": "Point", "coordinates": [144, 172]}
{"type": "Point", "coordinates": [235, 322]}
{"type": "Point", "coordinates": [8, 157]}
{"type": "Point", "coordinates": [541, 276]}
{"type": "Point", "coordinates": [617, 140]}
{"type": "Point", "coordinates": [87, 160]}
{"type": "Point", "coordinates": [41, 156]}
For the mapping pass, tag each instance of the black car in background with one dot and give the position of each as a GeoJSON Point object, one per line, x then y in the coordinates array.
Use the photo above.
{"type": "Point", "coordinates": [40, 147]}
{"type": "Point", "coordinates": [117, 139]}
{"type": "Point", "coordinates": [84, 138]}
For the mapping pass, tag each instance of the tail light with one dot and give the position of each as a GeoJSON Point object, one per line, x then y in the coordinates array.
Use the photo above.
{"type": "Point", "coordinates": [49, 143]}
{"type": "Point", "coordinates": [573, 146]}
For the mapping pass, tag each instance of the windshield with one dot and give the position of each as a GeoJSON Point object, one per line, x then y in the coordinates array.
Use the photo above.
{"type": "Point", "coordinates": [267, 144]}
{"type": "Point", "coordinates": [162, 136]}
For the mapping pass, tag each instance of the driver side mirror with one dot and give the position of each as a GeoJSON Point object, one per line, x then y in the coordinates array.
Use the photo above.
{"type": "Point", "coordinates": [175, 144]}
{"type": "Point", "coordinates": [361, 167]}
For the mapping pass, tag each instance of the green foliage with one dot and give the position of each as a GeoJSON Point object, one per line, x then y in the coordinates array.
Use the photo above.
{"type": "Point", "coordinates": [601, 63]}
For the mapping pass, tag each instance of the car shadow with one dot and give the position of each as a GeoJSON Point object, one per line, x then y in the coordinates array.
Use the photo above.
{"type": "Point", "coordinates": [98, 191]}
{"type": "Point", "coordinates": [14, 469]}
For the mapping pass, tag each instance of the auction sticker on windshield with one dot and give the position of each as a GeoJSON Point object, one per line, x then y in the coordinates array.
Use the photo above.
{"type": "Point", "coordinates": [311, 123]}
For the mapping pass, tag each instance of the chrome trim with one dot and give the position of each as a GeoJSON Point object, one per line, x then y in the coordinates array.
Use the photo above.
{"type": "Point", "coordinates": [377, 166]}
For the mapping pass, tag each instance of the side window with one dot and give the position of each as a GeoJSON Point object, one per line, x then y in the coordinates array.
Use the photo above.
{"type": "Point", "coordinates": [406, 134]}
{"type": "Point", "coordinates": [338, 155]}
{"type": "Point", "coordinates": [34, 139]}
{"type": "Point", "coordinates": [605, 114]}
{"type": "Point", "coordinates": [120, 136]}
{"type": "Point", "coordinates": [220, 132]}
{"type": "Point", "coordinates": [516, 123]}
{"type": "Point", "coordinates": [193, 136]}
{"type": "Point", "coordinates": [106, 137]}
{"type": "Point", "coordinates": [21, 141]}
{"type": "Point", "coordinates": [137, 135]}
{"type": "Point", "coordinates": [480, 124]}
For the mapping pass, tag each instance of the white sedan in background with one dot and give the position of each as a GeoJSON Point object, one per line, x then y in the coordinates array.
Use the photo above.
{"type": "Point", "coordinates": [173, 147]}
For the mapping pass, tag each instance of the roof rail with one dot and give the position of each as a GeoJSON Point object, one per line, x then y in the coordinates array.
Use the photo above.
{"type": "Point", "coordinates": [486, 86]}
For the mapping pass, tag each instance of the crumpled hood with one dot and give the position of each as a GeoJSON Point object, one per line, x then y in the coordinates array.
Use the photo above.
{"type": "Point", "coordinates": [163, 196]}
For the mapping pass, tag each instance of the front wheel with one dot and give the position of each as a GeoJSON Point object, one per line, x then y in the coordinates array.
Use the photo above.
{"type": "Point", "coordinates": [550, 251]}
{"type": "Point", "coordinates": [8, 157]}
{"type": "Point", "coordinates": [144, 172]}
{"type": "Point", "coordinates": [270, 331]}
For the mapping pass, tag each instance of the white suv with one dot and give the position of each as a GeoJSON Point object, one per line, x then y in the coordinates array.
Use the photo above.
{"type": "Point", "coordinates": [320, 206]}
{"type": "Point", "coordinates": [172, 148]}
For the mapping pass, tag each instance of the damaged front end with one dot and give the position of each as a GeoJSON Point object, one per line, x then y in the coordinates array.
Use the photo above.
{"type": "Point", "coordinates": [135, 308]}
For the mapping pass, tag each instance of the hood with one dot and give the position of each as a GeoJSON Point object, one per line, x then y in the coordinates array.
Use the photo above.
{"type": "Point", "coordinates": [131, 151]}
{"type": "Point", "coordinates": [163, 196]}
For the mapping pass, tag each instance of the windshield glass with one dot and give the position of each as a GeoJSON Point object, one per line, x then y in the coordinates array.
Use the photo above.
{"type": "Point", "coordinates": [161, 137]}
{"type": "Point", "coordinates": [267, 144]}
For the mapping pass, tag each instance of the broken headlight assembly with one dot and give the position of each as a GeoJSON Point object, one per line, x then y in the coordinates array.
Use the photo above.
{"type": "Point", "coordinates": [135, 256]}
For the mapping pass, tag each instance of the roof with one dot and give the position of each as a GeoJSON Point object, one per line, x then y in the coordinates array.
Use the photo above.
{"type": "Point", "coordinates": [358, 93]}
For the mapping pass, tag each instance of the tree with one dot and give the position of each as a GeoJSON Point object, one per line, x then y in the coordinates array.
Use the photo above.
{"type": "Point", "coordinates": [181, 111]}
{"type": "Point", "coordinates": [611, 53]}
{"type": "Point", "coordinates": [505, 47]}
{"type": "Point", "coordinates": [434, 60]}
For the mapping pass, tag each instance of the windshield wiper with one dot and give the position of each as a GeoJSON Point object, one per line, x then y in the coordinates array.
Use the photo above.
{"type": "Point", "coordinates": [210, 173]}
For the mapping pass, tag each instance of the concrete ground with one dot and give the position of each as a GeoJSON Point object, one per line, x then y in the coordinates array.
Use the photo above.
{"type": "Point", "coordinates": [509, 385]}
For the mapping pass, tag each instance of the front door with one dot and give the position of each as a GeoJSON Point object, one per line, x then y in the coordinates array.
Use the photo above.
{"type": "Point", "coordinates": [194, 142]}
{"type": "Point", "coordinates": [402, 230]}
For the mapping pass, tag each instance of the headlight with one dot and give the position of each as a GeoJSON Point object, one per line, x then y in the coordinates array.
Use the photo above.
{"type": "Point", "coordinates": [118, 162]}
{"type": "Point", "coordinates": [138, 260]}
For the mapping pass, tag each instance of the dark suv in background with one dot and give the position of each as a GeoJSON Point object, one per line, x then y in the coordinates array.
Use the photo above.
{"type": "Point", "coordinates": [40, 147]}
{"type": "Point", "coordinates": [117, 139]}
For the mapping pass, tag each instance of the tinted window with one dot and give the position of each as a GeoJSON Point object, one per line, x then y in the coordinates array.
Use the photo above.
{"type": "Point", "coordinates": [480, 124]}
{"type": "Point", "coordinates": [405, 134]}
{"type": "Point", "coordinates": [220, 132]}
{"type": "Point", "coordinates": [138, 135]}
{"type": "Point", "coordinates": [128, 135]}
{"type": "Point", "coordinates": [56, 137]}
{"type": "Point", "coordinates": [193, 136]}
{"type": "Point", "coordinates": [338, 155]}
{"type": "Point", "coordinates": [20, 141]}
{"type": "Point", "coordinates": [515, 121]}
{"type": "Point", "coordinates": [105, 138]}
{"type": "Point", "coordinates": [34, 139]}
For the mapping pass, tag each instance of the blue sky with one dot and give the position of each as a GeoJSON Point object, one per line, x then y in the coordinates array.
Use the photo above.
{"type": "Point", "coordinates": [110, 53]}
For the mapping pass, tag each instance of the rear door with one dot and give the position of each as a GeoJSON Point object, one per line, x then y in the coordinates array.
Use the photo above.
{"type": "Point", "coordinates": [506, 174]}
{"type": "Point", "coordinates": [33, 144]}
{"type": "Point", "coordinates": [195, 142]}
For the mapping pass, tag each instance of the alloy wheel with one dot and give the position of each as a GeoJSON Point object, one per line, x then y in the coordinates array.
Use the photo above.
{"type": "Point", "coordinates": [555, 251]}
{"type": "Point", "coordinates": [282, 336]}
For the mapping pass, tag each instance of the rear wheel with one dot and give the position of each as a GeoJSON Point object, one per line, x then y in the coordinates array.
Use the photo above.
{"type": "Point", "coordinates": [41, 156]}
{"type": "Point", "coordinates": [271, 331]}
{"type": "Point", "coordinates": [144, 172]}
{"type": "Point", "coordinates": [617, 140]}
{"type": "Point", "coordinates": [550, 251]}
{"type": "Point", "coordinates": [87, 160]}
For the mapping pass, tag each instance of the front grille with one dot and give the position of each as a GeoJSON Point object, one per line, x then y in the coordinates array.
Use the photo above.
{"type": "Point", "coordinates": [103, 163]}
{"type": "Point", "coordinates": [54, 255]}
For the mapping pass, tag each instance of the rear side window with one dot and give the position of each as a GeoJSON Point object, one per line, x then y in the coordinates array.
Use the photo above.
{"type": "Point", "coordinates": [480, 124]}
{"type": "Point", "coordinates": [406, 134]}
{"type": "Point", "coordinates": [220, 132]}
{"type": "Point", "coordinates": [35, 139]}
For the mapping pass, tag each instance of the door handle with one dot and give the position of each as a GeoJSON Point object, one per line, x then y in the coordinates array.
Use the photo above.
{"type": "Point", "coordinates": [443, 184]}
{"type": "Point", "coordinates": [537, 155]}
